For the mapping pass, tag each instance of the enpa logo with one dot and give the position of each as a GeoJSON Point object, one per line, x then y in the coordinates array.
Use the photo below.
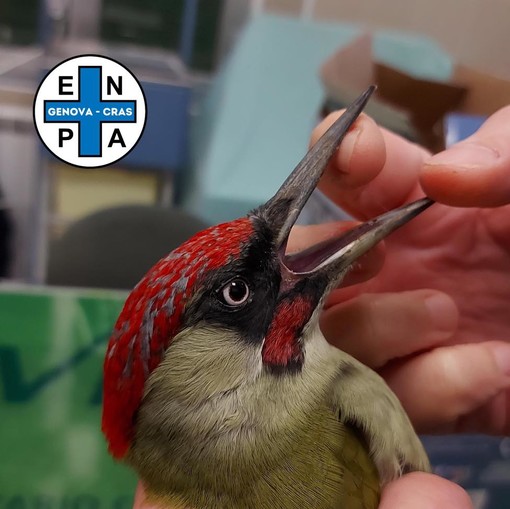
{"type": "Point", "coordinates": [90, 111]}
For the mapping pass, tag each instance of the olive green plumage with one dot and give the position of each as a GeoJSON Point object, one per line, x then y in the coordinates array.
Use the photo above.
{"type": "Point", "coordinates": [325, 437]}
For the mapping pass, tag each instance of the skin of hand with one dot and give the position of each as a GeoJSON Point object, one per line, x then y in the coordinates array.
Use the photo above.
{"type": "Point", "coordinates": [433, 318]}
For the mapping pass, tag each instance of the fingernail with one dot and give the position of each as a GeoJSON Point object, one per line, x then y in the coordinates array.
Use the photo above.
{"type": "Point", "coordinates": [465, 155]}
{"type": "Point", "coordinates": [347, 149]}
{"type": "Point", "coordinates": [502, 357]}
{"type": "Point", "coordinates": [443, 313]}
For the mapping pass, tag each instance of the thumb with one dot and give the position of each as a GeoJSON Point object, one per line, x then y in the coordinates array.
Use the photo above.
{"type": "Point", "coordinates": [424, 491]}
{"type": "Point", "coordinates": [474, 172]}
{"type": "Point", "coordinates": [142, 501]}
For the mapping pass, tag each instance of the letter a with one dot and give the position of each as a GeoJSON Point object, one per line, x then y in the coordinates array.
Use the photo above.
{"type": "Point", "coordinates": [116, 138]}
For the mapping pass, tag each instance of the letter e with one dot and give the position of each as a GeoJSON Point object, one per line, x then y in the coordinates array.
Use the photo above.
{"type": "Point", "coordinates": [64, 83]}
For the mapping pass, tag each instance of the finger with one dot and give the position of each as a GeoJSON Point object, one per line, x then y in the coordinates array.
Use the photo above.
{"type": "Point", "coordinates": [366, 266]}
{"type": "Point", "coordinates": [360, 157]}
{"type": "Point", "coordinates": [302, 237]}
{"type": "Point", "coordinates": [492, 417]}
{"type": "Point", "coordinates": [419, 490]}
{"type": "Point", "coordinates": [474, 172]}
{"type": "Point", "coordinates": [374, 170]}
{"type": "Point", "coordinates": [140, 501]}
{"type": "Point", "coordinates": [394, 185]}
{"type": "Point", "coordinates": [442, 387]}
{"type": "Point", "coordinates": [376, 328]}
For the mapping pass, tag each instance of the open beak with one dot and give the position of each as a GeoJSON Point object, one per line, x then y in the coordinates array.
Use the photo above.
{"type": "Point", "coordinates": [336, 255]}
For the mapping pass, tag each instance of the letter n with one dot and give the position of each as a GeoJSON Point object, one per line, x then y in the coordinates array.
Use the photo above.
{"type": "Point", "coordinates": [110, 83]}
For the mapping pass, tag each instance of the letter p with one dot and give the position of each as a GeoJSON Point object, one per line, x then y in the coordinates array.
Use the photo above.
{"type": "Point", "coordinates": [64, 135]}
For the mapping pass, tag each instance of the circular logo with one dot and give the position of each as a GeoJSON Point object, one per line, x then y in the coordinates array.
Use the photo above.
{"type": "Point", "coordinates": [90, 111]}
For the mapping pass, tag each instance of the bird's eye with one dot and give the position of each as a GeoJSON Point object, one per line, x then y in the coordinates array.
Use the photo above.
{"type": "Point", "coordinates": [235, 292]}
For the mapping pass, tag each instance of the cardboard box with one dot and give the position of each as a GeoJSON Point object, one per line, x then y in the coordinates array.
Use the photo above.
{"type": "Point", "coordinates": [486, 93]}
{"type": "Point", "coordinates": [411, 106]}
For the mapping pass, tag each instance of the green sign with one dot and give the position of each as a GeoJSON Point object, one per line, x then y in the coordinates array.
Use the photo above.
{"type": "Point", "coordinates": [52, 452]}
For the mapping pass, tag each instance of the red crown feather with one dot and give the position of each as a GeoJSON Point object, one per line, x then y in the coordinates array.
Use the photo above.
{"type": "Point", "coordinates": [151, 317]}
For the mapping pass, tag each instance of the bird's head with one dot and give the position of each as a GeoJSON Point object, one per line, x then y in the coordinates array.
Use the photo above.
{"type": "Point", "coordinates": [232, 288]}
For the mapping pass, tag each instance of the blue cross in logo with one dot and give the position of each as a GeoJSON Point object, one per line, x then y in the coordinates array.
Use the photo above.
{"type": "Point", "coordinates": [89, 111]}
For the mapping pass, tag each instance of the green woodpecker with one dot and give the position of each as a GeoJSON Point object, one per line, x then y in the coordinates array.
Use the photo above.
{"type": "Point", "coordinates": [219, 387]}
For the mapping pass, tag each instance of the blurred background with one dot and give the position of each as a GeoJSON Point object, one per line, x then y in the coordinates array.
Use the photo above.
{"type": "Point", "coordinates": [233, 89]}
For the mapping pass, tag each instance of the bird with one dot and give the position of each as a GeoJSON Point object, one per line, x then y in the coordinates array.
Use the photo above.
{"type": "Point", "coordinates": [221, 391]}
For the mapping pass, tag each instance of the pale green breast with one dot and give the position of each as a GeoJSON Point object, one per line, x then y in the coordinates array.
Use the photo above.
{"type": "Point", "coordinates": [329, 469]}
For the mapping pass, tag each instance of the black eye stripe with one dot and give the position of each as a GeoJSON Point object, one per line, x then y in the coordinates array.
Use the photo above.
{"type": "Point", "coordinates": [258, 267]}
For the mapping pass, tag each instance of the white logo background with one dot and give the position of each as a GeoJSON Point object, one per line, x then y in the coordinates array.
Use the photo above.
{"type": "Point", "coordinates": [130, 130]}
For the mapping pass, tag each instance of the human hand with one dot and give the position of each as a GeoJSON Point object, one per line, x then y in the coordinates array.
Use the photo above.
{"type": "Point", "coordinates": [451, 374]}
